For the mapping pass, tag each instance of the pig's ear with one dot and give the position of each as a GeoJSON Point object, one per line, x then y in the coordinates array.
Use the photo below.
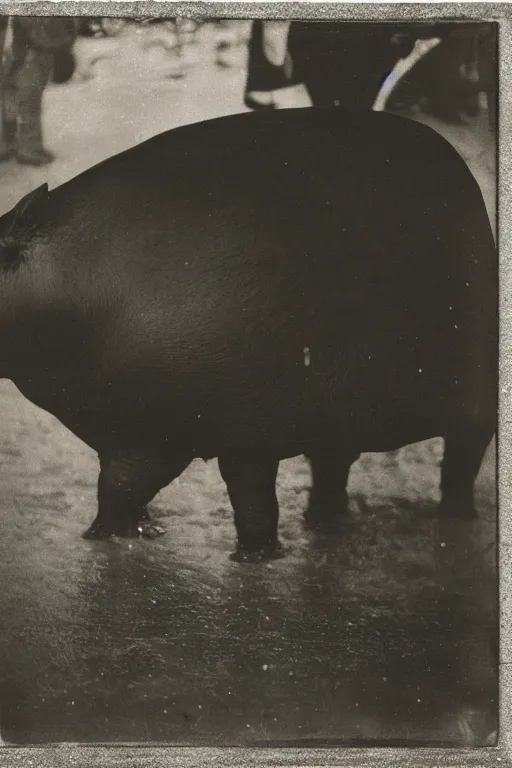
{"type": "Point", "coordinates": [29, 211]}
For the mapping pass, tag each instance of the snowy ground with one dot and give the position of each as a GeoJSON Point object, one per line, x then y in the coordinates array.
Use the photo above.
{"type": "Point", "coordinates": [384, 632]}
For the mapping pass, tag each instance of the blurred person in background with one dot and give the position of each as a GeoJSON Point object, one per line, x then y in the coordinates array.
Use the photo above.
{"type": "Point", "coordinates": [487, 55]}
{"type": "Point", "coordinates": [335, 64]}
{"type": "Point", "coordinates": [447, 82]}
{"type": "Point", "coordinates": [346, 64]}
{"type": "Point", "coordinates": [269, 65]}
{"type": "Point", "coordinates": [40, 47]}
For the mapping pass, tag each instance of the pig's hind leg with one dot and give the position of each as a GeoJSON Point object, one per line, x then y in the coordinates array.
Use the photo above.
{"type": "Point", "coordinates": [251, 482]}
{"type": "Point", "coordinates": [328, 499]}
{"type": "Point", "coordinates": [127, 483]}
{"type": "Point", "coordinates": [463, 454]}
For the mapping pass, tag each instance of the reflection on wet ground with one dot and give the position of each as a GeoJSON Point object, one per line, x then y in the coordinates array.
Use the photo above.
{"type": "Point", "coordinates": [383, 631]}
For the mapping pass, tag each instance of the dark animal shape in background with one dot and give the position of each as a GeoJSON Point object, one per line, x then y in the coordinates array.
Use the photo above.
{"type": "Point", "coordinates": [256, 287]}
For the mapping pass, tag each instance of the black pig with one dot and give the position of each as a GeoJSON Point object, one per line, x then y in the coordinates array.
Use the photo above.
{"type": "Point", "coordinates": [256, 287]}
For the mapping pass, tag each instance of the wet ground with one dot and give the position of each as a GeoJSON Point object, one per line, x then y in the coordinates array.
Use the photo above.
{"type": "Point", "coordinates": [384, 632]}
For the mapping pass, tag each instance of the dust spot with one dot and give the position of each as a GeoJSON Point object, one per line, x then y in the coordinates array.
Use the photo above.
{"type": "Point", "coordinates": [307, 356]}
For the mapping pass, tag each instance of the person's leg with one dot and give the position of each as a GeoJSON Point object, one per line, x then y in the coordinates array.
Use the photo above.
{"type": "Point", "coordinates": [31, 79]}
{"type": "Point", "coordinates": [7, 95]}
{"type": "Point", "coordinates": [269, 65]}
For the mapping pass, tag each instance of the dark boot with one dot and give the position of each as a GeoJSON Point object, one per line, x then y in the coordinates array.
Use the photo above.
{"type": "Point", "coordinates": [29, 140]}
{"type": "Point", "coordinates": [32, 80]}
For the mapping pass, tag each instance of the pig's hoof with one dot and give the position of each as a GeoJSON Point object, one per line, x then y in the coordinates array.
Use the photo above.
{"type": "Point", "coordinates": [243, 555]}
{"type": "Point", "coordinates": [144, 528]}
{"type": "Point", "coordinates": [149, 530]}
{"type": "Point", "coordinates": [458, 510]}
{"type": "Point", "coordinates": [97, 532]}
{"type": "Point", "coordinates": [35, 157]}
